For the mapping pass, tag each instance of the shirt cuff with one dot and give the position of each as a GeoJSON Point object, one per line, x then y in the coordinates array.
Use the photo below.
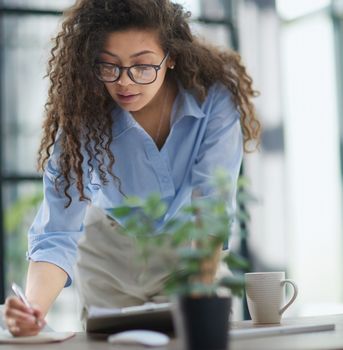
{"type": "Point", "coordinates": [38, 257]}
{"type": "Point", "coordinates": [55, 248]}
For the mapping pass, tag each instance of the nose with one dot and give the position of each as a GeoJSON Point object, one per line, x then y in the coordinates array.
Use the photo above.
{"type": "Point", "coordinates": [124, 78]}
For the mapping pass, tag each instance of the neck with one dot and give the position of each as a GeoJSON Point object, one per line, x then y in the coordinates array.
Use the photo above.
{"type": "Point", "coordinates": [155, 117]}
{"type": "Point", "coordinates": [153, 109]}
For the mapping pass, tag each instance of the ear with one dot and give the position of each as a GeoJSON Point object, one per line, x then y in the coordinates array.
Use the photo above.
{"type": "Point", "coordinates": [171, 63]}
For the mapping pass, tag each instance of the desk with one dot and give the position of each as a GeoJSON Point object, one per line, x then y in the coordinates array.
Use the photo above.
{"type": "Point", "coordinates": [307, 341]}
{"type": "Point", "coordinates": [329, 340]}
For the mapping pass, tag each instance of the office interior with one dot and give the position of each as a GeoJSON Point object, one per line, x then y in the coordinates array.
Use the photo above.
{"type": "Point", "coordinates": [293, 50]}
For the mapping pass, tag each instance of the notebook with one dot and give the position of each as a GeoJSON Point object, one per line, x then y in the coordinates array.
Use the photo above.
{"type": "Point", "coordinates": [151, 316]}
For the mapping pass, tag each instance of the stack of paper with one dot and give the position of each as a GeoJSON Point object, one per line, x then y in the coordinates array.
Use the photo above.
{"type": "Point", "coordinates": [44, 337]}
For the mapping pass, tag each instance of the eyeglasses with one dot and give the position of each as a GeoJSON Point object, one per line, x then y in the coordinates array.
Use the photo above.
{"type": "Point", "coordinates": [138, 73]}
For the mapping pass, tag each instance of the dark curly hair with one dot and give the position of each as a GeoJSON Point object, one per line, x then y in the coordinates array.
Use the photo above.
{"type": "Point", "coordinates": [79, 107]}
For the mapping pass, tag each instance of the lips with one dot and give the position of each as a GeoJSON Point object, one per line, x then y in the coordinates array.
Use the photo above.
{"type": "Point", "coordinates": [127, 97]}
{"type": "Point", "coordinates": [126, 94]}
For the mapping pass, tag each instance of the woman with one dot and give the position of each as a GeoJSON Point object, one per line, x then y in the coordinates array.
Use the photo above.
{"type": "Point", "coordinates": [136, 105]}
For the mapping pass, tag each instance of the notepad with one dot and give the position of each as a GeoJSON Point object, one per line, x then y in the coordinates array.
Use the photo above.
{"type": "Point", "coordinates": [245, 333]}
{"type": "Point", "coordinates": [153, 316]}
{"type": "Point", "coordinates": [41, 338]}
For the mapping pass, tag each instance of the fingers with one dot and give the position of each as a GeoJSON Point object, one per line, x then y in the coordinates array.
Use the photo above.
{"type": "Point", "coordinates": [37, 313]}
{"type": "Point", "coordinates": [20, 331]}
{"type": "Point", "coordinates": [20, 316]}
{"type": "Point", "coordinates": [26, 329]}
{"type": "Point", "coordinates": [21, 320]}
{"type": "Point", "coordinates": [16, 303]}
{"type": "Point", "coordinates": [18, 328]}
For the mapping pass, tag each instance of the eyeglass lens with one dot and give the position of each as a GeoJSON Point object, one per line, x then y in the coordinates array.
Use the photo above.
{"type": "Point", "coordinates": [139, 74]}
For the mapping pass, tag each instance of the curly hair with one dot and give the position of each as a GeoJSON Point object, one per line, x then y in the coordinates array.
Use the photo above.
{"type": "Point", "coordinates": [78, 108]}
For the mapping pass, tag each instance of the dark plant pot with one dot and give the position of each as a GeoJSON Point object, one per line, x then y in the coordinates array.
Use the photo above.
{"type": "Point", "coordinates": [202, 323]}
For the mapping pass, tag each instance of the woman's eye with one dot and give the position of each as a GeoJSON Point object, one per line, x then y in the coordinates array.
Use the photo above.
{"type": "Point", "coordinates": [143, 68]}
{"type": "Point", "coordinates": [107, 69]}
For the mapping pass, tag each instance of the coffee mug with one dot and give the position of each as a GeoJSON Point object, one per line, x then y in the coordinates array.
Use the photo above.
{"type": "Point", "coordinates": [265, 292]}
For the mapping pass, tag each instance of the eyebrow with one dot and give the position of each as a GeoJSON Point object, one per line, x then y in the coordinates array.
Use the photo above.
{"type": "Point", "coordinates": [144, 52]}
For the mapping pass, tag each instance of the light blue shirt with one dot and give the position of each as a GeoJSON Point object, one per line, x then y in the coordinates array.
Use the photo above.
{"type": "Point", "coordinates": [203, 136]}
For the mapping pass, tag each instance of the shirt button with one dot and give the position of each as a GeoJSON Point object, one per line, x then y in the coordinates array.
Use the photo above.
{"type": "Point", "coordinates": [165, 179]}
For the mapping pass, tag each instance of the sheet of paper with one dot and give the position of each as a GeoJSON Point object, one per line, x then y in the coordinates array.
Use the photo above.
{"type": "Point", "coordinates": [95, 311]}
{"type": "Point", "coordinates": [41, 338]}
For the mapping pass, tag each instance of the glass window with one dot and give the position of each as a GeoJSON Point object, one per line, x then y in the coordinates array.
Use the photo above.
{"type": "Point", "coordinates": [191, 5]}
{"type": "Point", "coordinates": [217, 35]}
{"type": "Point", "coordinates": [39, 4]}
{"type": "Point", "coordinates": [314, 179]}
{"type": "Point", "coordinates": [20, 206]}
{"type": "Point", "coordinates": [26, 48]}
{"type": "Point", "coordinates": [21, 203]}
{"type": "Point", "coordinates": [292, 9]}
{"type": "Point", "coordinates": [214, 9]}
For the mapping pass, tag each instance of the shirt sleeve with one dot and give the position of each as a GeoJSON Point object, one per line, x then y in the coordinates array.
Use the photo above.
{"type": "Point", "coordinates": [55, 231]}
{"type": "Point", "coordinates": [221, 146]}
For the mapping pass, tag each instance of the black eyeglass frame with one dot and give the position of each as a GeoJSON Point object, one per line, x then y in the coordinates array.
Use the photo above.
{"type": "Point", "coordinates": [157, 67]}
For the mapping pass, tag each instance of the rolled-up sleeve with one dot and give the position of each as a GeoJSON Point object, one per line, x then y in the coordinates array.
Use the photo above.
{"type": "Point", "coordinates": [55, 231]}
{"type": "Point", "coordinates": [221, 147]}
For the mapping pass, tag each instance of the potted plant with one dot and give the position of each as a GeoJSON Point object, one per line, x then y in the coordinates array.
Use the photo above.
{"type": "Point", "coordinates": [201, 302]}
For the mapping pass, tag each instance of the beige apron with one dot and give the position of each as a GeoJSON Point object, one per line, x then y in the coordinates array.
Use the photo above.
{"type": "Point", "coordinates": [109, 270]}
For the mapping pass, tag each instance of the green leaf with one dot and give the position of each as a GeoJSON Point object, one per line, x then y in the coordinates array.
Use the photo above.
{"type": "Point", "coordinates": [243, 232]}
{"type": "Point", "coordinates": [154, 207]}
{"type": "Point", "coordinates": [243, 216]}
{"type": "Point", "coordinates": [15, 214]}
{"type": "Point", "coordinates": [236, 262]}
{"type": "Point", "coordinates": [198, 288]}
{"type": "Point", "coordinates": [134, 201]}
{"type": "Point", "coordinates": [186, 253]}
{"type": "Point", "coordinates": [189, 209]}
{"type": "Point", "coordinates": [245, 197]}
{"type": "Point", "coordinates": [121, 212]}
{"type": "Point", "coordinates": [234, 283]}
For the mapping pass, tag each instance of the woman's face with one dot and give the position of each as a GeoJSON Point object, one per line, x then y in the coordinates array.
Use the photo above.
{"type": "Point", "coordinates": [127, 48]}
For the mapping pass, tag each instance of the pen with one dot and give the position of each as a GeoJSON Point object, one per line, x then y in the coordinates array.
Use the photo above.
{"type": "Point", "coordinates": [20, 294]}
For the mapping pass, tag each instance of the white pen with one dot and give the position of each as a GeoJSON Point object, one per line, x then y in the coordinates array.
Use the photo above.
{"type": "Point", "coordinates": [20, 294]}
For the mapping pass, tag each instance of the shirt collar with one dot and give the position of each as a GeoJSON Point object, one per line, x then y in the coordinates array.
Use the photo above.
{"type": "Point", "coordinates": [188, 104]}
{"type": "Point", "coordinates": [185, 104]}
{"type": "Point", "coordinates": [122, 121]}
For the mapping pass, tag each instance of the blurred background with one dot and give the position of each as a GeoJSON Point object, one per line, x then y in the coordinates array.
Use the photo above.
{"type": "Point", "coordinates": [293, 49]}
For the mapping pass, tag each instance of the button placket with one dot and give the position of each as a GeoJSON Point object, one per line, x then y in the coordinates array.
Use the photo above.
{"type": "Point", "coordinates": [161, 169]}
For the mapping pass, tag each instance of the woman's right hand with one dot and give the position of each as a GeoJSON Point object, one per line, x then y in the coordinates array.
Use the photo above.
{"type": "Point", "coordinates": [22, 320]}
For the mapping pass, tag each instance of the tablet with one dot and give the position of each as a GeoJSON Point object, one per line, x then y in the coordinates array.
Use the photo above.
{"type": "Point", "coordinates": [149, 316]}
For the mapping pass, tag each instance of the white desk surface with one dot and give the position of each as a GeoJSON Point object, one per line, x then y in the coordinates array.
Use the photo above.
{"type": "Point", "coordinates": [327, 340]}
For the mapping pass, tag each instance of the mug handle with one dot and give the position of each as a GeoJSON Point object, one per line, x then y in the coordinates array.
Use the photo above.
{"type": "Point", "coordinates": [295, 293]}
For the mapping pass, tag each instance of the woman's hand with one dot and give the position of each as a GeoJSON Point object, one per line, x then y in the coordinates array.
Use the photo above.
{"type": "Point", "coordinates": [22, 320]}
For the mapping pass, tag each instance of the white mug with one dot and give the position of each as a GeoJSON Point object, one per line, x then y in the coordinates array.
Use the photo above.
{"type": "Point", "coordinates": [265, 294]}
